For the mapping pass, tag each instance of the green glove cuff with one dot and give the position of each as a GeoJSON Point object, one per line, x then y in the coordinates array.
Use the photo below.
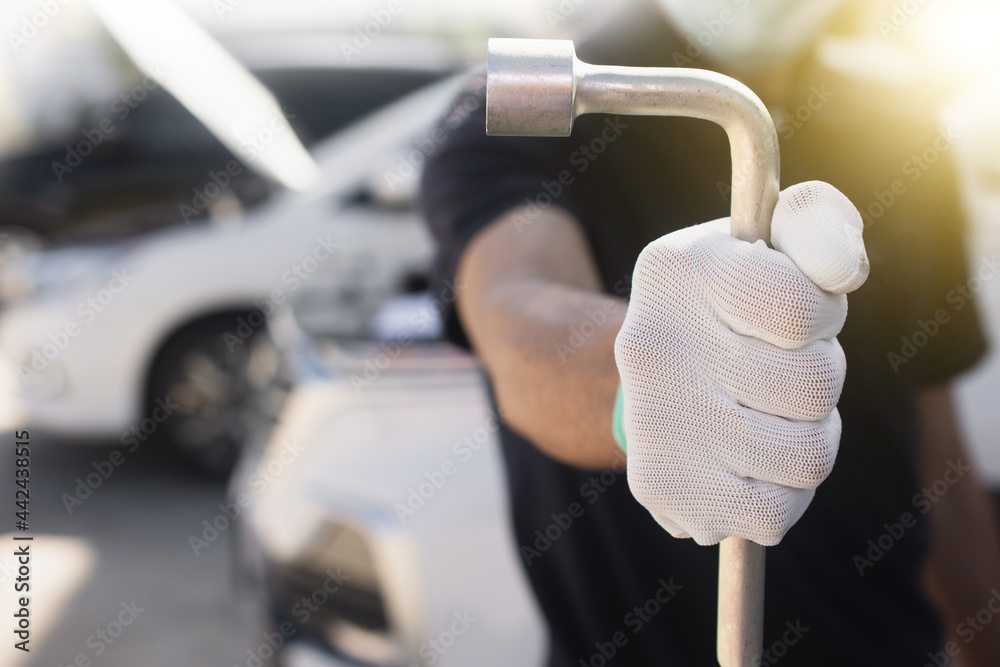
{"type": "Point", "coordinates": [618, 419]}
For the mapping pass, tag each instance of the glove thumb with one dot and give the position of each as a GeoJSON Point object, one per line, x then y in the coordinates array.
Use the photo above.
{"type": "Point", "coordinates": [819, 229]}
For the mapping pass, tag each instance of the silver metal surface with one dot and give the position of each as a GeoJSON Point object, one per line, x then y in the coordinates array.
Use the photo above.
{"type": "Point", "coordinates": [740, 630]}
{"type": "Point", "coordinates": [538, 88]}
{"type": "Point", "coordinates": [531, 87]}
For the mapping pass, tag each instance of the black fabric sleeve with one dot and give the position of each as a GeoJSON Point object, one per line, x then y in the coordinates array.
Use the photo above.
{"type": "Point", "coordinates": [937, 333]}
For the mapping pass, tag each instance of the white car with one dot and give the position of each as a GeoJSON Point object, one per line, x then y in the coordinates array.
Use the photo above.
{"type": "Point", "coordinates": [376, 517]}
{"type": "Point", "coordinates": [157, 335]}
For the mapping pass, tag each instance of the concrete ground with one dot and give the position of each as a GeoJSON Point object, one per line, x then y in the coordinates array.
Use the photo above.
{"type": "Point", "coordinates": [121, 565]}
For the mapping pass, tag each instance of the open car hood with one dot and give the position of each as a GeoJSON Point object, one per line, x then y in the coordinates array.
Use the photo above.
{"type": "Point", "coordinates": [178, 54]}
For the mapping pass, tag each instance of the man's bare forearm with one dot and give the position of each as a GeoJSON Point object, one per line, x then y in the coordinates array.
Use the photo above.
{"type": "Point", "coordinates": [533, 308]}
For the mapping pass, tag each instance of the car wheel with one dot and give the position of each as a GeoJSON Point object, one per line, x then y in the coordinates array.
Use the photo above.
{"type": "Point", "coordinates": [221, 391]}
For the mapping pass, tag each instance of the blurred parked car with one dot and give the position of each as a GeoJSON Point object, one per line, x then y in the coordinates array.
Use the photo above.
{"type": "Point", "coordinates": [161, 334]}
{"type": "Point", "coordinates": [376, 517]}
{"type": "Point", "coordinates": [131, 161]}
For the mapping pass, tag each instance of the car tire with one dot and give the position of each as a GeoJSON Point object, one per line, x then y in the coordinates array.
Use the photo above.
{"type": "Point", "coordinates": [220, 387]}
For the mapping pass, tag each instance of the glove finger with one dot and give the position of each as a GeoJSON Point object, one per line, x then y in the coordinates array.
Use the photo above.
{"type": "Point", "coordinates": [756, 291]}
{"type": "Point", "coordinates": [640, 488]}
{"type": "Point", "coordinates": [760, 511]}
{"type": "Point", "coordinates": [793, 454]}
{"type": "Point", "coordinates": [802, 384]}
{"type": "Point", "coordinates": [752, 509]}
{"type": "Point", "coordinates": [821, 231]}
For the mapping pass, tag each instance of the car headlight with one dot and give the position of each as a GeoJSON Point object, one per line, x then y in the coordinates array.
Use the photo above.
{"type": "Point", "coordinates": [54, 272]}
{"type": "Point", "coordinates": [19, 250]}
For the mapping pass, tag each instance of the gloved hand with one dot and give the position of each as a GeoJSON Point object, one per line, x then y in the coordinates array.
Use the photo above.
{"type": "Point", "coordinates": [731, 371]}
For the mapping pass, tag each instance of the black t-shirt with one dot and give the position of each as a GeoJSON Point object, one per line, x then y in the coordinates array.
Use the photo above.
{"type": "Point", "coordinates": [843, 587]}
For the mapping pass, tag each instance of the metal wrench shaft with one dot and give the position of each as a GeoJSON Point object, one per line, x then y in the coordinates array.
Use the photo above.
{"type": "Point", "coordinates": [538, 88]}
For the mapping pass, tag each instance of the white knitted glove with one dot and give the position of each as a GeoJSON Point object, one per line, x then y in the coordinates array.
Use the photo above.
{"type": "Point", "coordinates": [731, 371]}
